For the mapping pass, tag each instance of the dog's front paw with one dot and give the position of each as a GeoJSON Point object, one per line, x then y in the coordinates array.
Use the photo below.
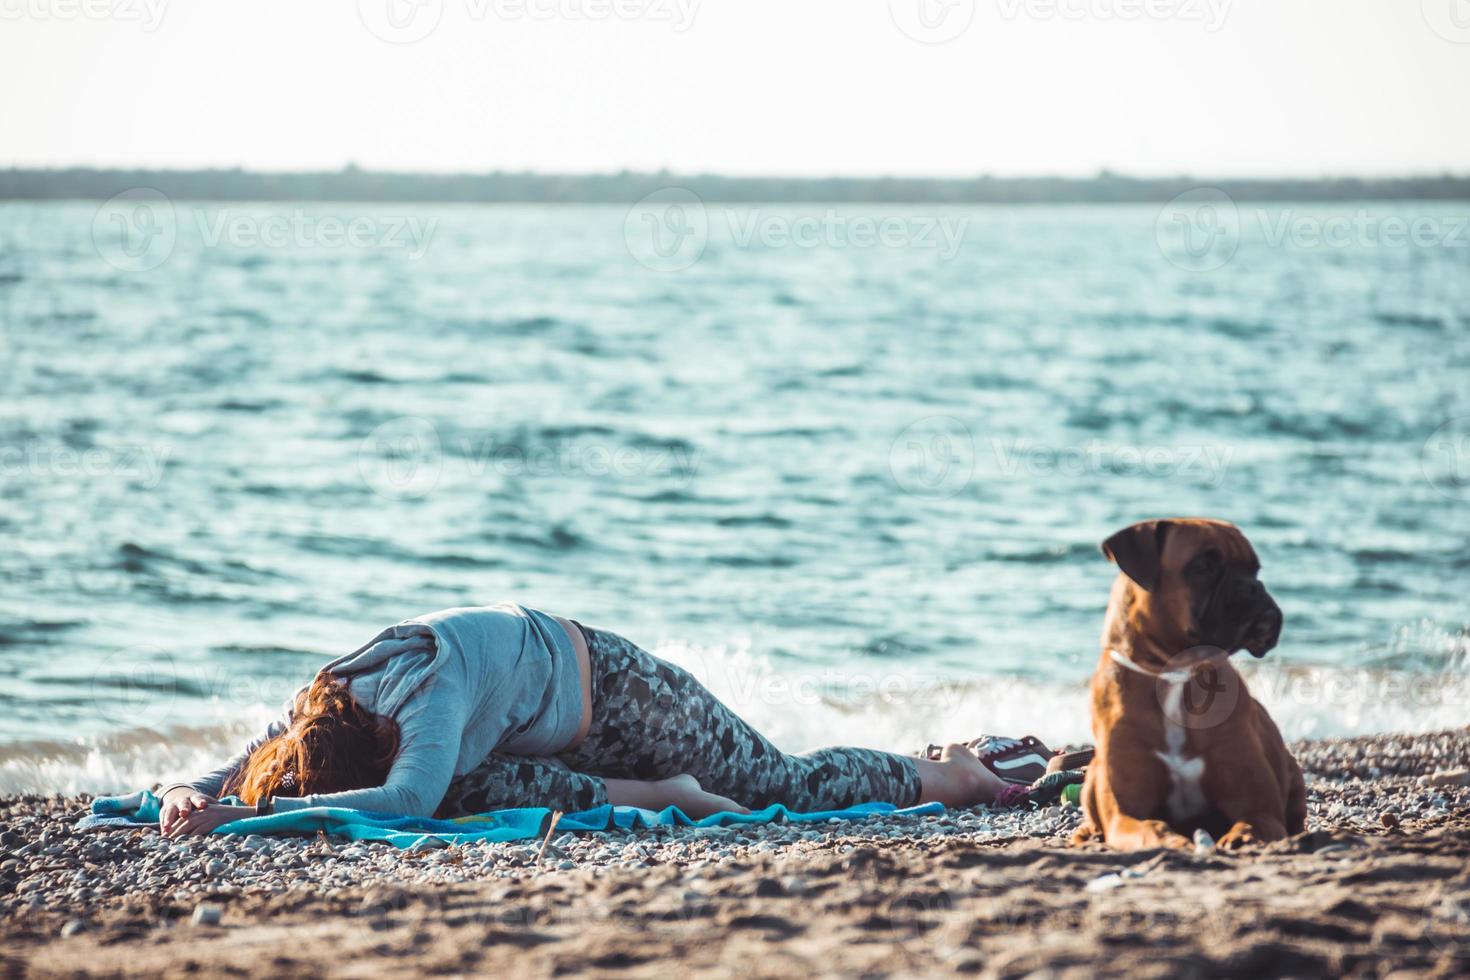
{"type": "Point", "coordinates": [1241, 835]}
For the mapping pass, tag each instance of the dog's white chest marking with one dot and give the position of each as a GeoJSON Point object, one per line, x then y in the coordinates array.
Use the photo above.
{"type": "Point", "coordinates": [1186, 795]}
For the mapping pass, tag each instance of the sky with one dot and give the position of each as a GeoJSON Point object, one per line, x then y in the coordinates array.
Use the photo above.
{"type": "Point", "coordinates": [779, 87]}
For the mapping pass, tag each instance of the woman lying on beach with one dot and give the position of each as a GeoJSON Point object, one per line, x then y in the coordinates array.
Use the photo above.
{"type": "Point", "coordinates": [477, 709]}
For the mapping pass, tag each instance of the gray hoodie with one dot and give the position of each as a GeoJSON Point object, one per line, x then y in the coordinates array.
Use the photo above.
{"type": "Point", "coordinates": [461, 684]}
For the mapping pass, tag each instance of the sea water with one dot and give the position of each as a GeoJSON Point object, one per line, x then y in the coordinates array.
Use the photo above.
{"type": "Point", "coordinates": [849, 464]}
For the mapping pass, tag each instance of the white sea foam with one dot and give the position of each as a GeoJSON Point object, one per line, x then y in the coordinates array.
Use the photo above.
{"type": "Point", "coordinates": [882, 706]}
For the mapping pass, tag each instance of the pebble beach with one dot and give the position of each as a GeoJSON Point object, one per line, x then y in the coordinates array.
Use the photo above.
{"type": "Point", "coordinates": [1379, 885]}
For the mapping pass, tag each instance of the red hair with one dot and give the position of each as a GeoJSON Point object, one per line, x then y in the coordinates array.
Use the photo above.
{"type": "Point", "coordinates": [332, 745]}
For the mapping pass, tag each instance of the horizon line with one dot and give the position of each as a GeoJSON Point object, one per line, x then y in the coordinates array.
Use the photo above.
{"type": "Point", "coordinates": [1103, 173]}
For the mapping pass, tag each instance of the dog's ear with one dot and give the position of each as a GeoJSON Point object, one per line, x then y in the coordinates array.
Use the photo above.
{"type": "Point", "coordinates": [1138, 550]}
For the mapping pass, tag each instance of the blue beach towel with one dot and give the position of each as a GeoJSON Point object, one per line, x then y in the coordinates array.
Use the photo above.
{"type": "Point", "coordinates": [142, 808]}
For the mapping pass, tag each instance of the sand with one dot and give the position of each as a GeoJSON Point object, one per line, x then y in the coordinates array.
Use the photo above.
{"type": "Point", "coordinates": [1379, 885]}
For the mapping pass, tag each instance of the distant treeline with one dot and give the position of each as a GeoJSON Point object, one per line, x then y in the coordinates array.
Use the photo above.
{"type": "Point", "coordinates": [353, 184]}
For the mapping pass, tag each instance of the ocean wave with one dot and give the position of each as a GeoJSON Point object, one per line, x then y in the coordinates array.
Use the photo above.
{"type": "Point", "coordinates": [121, 762]}
{"type": "Point", "coordinates": [871, 702]}
{"type": "Point", "coordinates": [897, 706]}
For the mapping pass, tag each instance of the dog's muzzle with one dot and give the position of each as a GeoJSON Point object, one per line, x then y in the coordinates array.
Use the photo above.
{"type": "Point", "coordinates": [1264, 630]}
{"type": "Point", "coordinates": [1246, 602]}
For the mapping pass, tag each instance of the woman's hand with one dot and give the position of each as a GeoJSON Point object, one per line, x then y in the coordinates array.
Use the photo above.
{"type": "Point", "coordinates": [204, 820]}
{"type": "Point", "coordinates": [177, 804]}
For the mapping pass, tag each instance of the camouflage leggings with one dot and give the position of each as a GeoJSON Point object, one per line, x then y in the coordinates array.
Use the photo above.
{"type": "Point", "coordinates": [652, 720]}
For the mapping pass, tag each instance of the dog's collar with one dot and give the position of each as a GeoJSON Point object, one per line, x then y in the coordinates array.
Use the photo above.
{"type": "Point", "coordinates": [1172, 676]}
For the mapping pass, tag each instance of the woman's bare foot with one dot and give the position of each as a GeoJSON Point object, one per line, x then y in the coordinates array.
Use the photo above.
{"type": "Point", "coordinates": [987, 784]}
{"type": "Point", "coordinates": [957, 779]}
{"type": "Point", "coordinates": [682, 791]}
{"type": "Point", "coordinates": [689, 796]}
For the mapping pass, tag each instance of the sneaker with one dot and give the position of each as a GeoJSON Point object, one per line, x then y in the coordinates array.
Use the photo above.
{"type": "Point", "coordinates": [1016, 760]}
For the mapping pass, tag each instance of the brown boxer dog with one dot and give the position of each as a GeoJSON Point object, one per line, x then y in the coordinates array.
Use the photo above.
{"type": "Point", "coordinates": [1181, 744]}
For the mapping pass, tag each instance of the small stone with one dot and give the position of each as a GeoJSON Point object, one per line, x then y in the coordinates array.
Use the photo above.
{"type": "Point", "coordinates": [74, 926]}
{"type": "Point", "coordinates": [1389, 819]}
{"type": "Point", "coordinates": [206, 915]}
{"type": "Point", "coordinates": [215, 868]}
